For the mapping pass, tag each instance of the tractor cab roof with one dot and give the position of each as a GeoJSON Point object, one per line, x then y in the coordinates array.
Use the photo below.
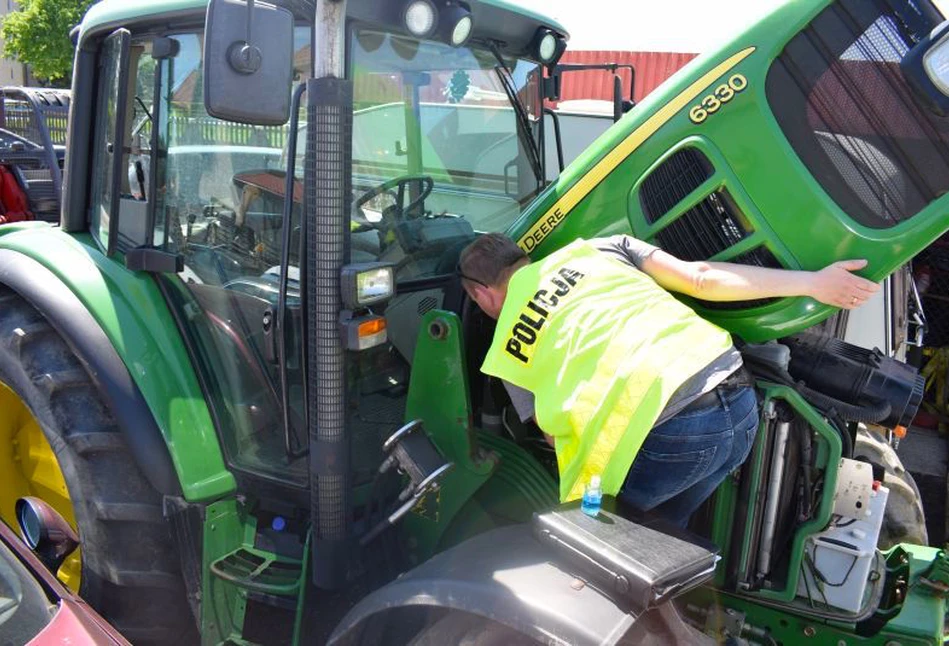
{"type": "Point", "coordinates": [503, 22]}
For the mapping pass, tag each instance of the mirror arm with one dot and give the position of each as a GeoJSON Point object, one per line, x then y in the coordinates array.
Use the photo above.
{"type": "Point", "coordinates": [555, 119]}
{"type": "Point", "coordinates": [250, 21]}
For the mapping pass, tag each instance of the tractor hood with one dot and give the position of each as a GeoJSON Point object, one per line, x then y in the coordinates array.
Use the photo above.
{"type": "Point", "coordinates": [801, 142]}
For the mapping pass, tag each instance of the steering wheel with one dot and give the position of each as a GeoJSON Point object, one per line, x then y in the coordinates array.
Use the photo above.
{"type": "Point", "coordinates": [397, 211]}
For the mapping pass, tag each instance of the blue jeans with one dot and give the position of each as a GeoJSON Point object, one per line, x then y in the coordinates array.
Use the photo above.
{"type": "Point", "coordinates": [684, 459]}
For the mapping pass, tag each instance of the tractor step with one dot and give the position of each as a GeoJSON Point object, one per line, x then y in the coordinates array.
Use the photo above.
{"type": "Point", "coordinates": [260, 571]}
{"type": "Point", "coordinates": [239, 572]}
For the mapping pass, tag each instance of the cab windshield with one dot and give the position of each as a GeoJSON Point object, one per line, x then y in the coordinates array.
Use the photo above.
{"type": "Point", "coordinates": [440, 153]}
{"type": "Point", "coordinates": [444, 147]}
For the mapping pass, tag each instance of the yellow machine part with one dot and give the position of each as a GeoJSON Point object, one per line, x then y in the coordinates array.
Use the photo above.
{"type": "Point", "coordinates": [28, 467]}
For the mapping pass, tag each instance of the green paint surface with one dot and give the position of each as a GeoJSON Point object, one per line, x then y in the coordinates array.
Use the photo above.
{"type": "Point", "coordinates": [787, 209]}
{"type": "Point", "coordinates": [136, 319]}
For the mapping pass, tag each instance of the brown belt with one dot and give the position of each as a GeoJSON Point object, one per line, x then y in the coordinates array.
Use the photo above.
{"type": "Point", "coordinates": [738, 379]}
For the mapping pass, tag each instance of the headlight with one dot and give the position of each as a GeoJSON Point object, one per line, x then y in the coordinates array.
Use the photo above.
{"type": "Point", "coordinates": [364, 284]}
{"type": "Point", "coordinates": [419, 17]}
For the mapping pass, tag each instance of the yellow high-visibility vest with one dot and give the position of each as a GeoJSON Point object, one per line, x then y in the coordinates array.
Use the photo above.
{"type": "Point", "coordinates": [602, 348]}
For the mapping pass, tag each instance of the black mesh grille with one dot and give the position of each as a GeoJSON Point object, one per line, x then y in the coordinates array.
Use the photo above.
{"type": "Point", "coordinates": [329, 140]}
{"type": "Point", "coordinates": [427, 304]}
{"type": "Point", "coordinates": [758, 257]}
{"type": "Point", "coordinates": [672, 180]}
{"type": "Point", "coordinates": [839, 94]}
{"type": "Point", "coordinates": [708, 228]}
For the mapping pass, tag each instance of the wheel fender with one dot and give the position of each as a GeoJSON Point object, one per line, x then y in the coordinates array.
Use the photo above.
{"type": "Point", "coordinates": [503, 575]}
{"type": "Point", "coordinates": [70, 318]}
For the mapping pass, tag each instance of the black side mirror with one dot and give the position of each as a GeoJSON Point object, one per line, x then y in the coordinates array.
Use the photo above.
{"type": "Point", "coordinates": [248, 62]}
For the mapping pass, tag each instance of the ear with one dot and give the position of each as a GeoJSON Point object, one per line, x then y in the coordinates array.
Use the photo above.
{"type": "Point", "coordinates": [470, 289]}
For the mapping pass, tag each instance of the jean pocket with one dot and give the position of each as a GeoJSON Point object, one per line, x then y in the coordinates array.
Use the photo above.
{"type": "Point", "coordinates": [658, 476]}
{"type": "Point", "coordinates": [747, 427]}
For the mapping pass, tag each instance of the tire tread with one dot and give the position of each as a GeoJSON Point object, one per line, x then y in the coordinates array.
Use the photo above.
{"type": "Point", "coordinates": [131, 570]}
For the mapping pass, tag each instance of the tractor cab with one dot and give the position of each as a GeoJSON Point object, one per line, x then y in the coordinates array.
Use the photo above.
{"type": "Point", "coordinates": [445, 140]}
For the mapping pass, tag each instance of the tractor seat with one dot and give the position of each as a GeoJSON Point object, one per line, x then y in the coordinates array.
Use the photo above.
{"type": "Point", "coordinates": [637, 564]}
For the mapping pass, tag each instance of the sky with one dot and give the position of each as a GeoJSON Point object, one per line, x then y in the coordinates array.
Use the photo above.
{"type": "Point", "coordinates": [689, 26]}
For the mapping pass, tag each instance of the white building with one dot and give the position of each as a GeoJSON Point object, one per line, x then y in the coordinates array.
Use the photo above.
{"type": "Point", "coordinates": [12, 72]}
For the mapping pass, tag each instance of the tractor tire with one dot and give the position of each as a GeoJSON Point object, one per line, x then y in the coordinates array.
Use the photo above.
{"type": "Point", "coordinates": [904, 520]}
{"type": "Point", "coordinates": [131, 571]}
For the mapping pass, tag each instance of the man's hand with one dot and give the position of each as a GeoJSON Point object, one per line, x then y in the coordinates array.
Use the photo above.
{"type": "Point", "coordinates": [835, 285]}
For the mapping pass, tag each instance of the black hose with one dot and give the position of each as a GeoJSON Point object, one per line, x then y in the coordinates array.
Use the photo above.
{"type": "Point", "coordinates": [869, 414]}
{"type": "Point", "coordinates": [846, 442]}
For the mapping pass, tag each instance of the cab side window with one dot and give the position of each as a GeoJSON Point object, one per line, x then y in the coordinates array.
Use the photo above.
{"type": "Point", "coordinates": [135, 169]}
{"type": "Point", "coordinates": [122, 144]}
{"type": "Point", "coordinates": [112, 65]}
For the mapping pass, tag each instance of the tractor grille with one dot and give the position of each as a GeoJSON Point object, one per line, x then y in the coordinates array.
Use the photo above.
{"type": "Point", "coordinates": [708, 228]}
{"type": "Point", "coordinates": [841, 99]}
{"type": "Point", "coordinates": [672, 181]}
{"type": "Point", "coordinates": [758, 257]}
{"type": "Point", "coordinates": [427, 304]}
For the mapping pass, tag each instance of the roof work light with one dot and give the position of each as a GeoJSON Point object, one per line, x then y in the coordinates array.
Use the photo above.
{"type": "Point", "coordinates": [455, 25]}
{"type": "Point", "coordinates": [548, 46]}
{"type": "Point", "coordinates": [420, 18]}
{"type": "Point", "coordinates": [451, 24]}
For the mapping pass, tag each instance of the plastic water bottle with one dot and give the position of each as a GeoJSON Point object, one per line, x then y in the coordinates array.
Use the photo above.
{"type": "Point", "coordinates": [592, 495]}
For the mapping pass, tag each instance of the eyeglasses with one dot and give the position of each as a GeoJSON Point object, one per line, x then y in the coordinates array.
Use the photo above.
{"type": "Point", "coordinates": [462, 274]}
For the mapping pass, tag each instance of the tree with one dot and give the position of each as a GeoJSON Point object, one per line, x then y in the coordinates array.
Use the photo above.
{"type": "Point", "coordinates": [38, 34]}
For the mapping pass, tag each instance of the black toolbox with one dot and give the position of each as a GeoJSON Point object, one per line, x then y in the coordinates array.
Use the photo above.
{"type": "Point", "coordinates": [640, 564]}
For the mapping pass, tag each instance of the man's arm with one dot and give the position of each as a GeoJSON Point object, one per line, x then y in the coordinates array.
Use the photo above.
{"type": "Point", "coordinates": [724, 281]}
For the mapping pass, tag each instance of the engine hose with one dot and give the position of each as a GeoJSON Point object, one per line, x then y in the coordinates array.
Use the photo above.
{"type": "Point", "coordinates": [869, 414]}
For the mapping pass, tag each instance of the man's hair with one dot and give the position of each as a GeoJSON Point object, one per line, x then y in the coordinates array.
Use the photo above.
{"type": "Point", "coordinates": [488, 259]}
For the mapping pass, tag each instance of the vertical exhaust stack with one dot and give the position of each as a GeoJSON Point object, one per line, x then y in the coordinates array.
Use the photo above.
{"type": "Point", "coordinates": [328, 178]}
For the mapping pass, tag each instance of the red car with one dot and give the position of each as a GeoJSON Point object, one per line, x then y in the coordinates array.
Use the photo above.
{"type": "Point", "coordinates": [35, 608]}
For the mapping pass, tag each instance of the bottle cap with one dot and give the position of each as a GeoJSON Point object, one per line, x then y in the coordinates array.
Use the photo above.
{"type": "Point", "coordinates": [595, 482]}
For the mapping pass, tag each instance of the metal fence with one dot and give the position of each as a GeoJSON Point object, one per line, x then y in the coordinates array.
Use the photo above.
{"type": "Point", "coordinates": [208, 130]}
{"type": "Point", "coordinates": [19, 117]}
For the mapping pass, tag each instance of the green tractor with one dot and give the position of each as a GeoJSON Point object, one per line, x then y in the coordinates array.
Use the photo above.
{"type": "Point", "coordinates": [244, 369]}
